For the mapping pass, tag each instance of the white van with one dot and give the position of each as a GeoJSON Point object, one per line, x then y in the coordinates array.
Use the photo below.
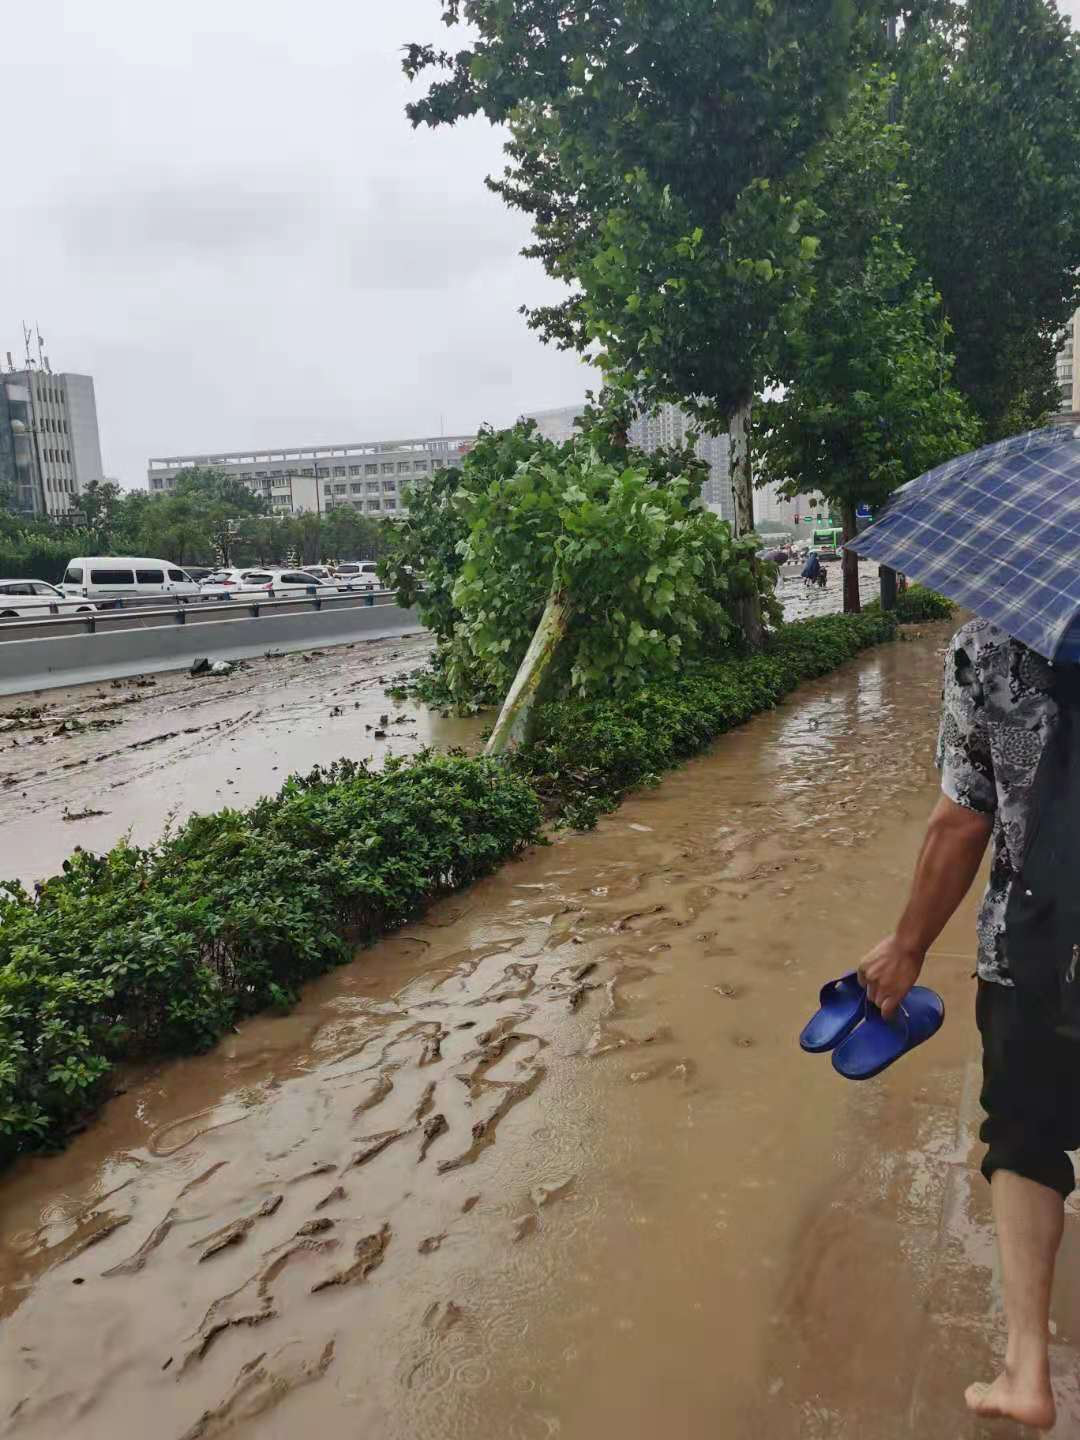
{"type": "Point", "coordinates": [118, 577]}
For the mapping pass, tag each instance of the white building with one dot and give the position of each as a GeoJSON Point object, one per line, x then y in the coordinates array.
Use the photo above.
{"type": "Point", "coordinates": [669, 425]}
{"type": "Point", "coordinates": [49, 444]}
{"type": "Point", "coordinates": [1067, 368]}
{"type": "Point", "coordinates": [368, 476]}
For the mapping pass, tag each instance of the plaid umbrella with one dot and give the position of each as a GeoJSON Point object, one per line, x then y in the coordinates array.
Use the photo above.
{"type": "Point", "coordinates": [998, 531]}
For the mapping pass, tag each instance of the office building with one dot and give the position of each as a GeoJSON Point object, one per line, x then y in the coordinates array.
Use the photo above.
{"type": "Point", "coordinates": [1067, 368]}
{"type": "Point", "coordinates": [369, 476]}
{"type": "Point", "coordinates": [49, 444]}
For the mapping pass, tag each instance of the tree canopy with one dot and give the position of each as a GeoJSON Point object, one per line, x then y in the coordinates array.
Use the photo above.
{"type": "Point", "coordinates": [651, 145]}
{"type": "Point", "coordinates": [990, 102]}
{"type": "Point", "coordinates": [868, 401]}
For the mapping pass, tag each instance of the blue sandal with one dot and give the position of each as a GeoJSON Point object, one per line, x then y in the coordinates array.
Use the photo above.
{"type": "Point", "coordinates": [876, 1044]}
{"type": "Point", "coordinates": [842, 1007]}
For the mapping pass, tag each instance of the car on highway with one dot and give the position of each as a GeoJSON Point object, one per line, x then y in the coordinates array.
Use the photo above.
{"type": "Point", "coordinates": [224, 584]}
{"type": "Point", "coordinates": [358, 575]}
{"type": "Point", "coordinates": [38, 600]}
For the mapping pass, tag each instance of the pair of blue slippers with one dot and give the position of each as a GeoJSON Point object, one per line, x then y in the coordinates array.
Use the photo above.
{"type": "Point", "coordinates": [863, 1043]}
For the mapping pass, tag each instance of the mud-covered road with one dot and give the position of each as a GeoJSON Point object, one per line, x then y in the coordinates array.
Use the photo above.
{"type": "Point", "coordinates": [89, 764]}
{"type": "Point", "coordinates": [550, 1163]}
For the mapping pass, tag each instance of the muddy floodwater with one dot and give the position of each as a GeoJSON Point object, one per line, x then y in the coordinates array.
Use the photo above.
{"type": "Point", "coordinates": [550, 1162]}
{"type": "Point", "coordinates": [92, 763]}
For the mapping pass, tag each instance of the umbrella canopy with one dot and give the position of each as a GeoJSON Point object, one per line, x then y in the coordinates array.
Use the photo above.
{"type": "Point", "coordinates": [998, 531]}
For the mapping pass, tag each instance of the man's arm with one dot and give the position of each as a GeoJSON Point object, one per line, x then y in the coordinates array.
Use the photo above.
{"type": "Point", "coordinates": [949, 860]}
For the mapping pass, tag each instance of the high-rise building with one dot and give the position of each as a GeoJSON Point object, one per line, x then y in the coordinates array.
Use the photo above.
{"type": "Point", "coordinates": [1068, 367]}
{"type": "Point", "coordinates": [670, 425]}
{"type": "Point", "coordinates": [49, 445]}
{"type": "Point", "coordinates": [368, 476]}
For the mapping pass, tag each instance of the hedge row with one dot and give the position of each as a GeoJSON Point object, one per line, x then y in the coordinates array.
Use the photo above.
{"type": "Point", "coordinates": [145, 951]}
{"type": "Point", "coordinates": [586, 755]}
{"type": "Point", "coordinates": [149, 951]}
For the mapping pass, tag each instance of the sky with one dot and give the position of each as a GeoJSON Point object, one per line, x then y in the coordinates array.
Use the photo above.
{"type": "Point", "coordinates": [220, 211]}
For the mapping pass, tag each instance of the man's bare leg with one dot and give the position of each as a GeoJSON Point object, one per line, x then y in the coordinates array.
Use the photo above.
{"type": "Point", "coordinates": [1029, 1219]}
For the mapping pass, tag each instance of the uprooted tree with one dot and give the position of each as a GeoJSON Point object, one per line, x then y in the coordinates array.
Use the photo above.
{"type": "Point", "coordinates": [582, 568]}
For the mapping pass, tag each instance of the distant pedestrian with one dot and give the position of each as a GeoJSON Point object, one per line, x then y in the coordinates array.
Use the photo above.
{"type": "Point", "coordinates": [812, 570]}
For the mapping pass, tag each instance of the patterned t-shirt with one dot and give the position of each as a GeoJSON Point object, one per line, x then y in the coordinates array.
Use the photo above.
{"type": "Point", "coordinates": [997, 712]}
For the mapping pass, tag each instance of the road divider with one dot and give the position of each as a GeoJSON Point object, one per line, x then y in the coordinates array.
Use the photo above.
{"type": "Point", "coordinates": [110, 644]}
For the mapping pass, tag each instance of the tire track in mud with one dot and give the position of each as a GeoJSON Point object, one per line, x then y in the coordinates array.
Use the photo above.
{"type": "Point", "coordinates": [425, 1092]}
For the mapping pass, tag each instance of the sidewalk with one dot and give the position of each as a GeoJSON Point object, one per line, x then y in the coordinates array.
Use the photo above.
{"type": "Point", "coordinates": [550, 1162]}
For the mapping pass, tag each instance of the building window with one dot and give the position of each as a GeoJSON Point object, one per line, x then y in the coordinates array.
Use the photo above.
{"type": "Point", "coordinates": [371, 469]}
{"type": "Point", "coordinates": [357, 488]}
{"type": "Point", "coordinates": [354, 469]}
{"type": "Point", "coordinates": [373, 487]}
{"type": "Point", "coordinates": [321, 470]}
{"type": "Point", "coordinates": [391, 504]}
{"type": "Point", "coordinates": [404, 466]}
{"type": "Point", "coordinates": [339, 489]}
{"type": "Point", "coordinates": [421, 465]}
{"type": "Point", "coordinates": [374, 504]}
{"type": "Point", "coordinates": [388, 467]}
{"type": "Point", "coordinates": [156, 483]}
{"type": "Point", "coordinates": [339, 469]}
{"type": "Point", "coordinates": [389, 485]}
{"type": "Point", "coordinates": [328, 488]}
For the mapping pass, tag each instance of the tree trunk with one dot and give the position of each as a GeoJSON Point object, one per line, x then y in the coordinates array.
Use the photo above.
{"type": "Point", "coordinates": [850, 562]}
{"type": "Point", "coordinates": [747, 607]}
{"type": "Point", "coordinates": [742, 477]}
{"type": "Point", "coordinates": [519, 708]}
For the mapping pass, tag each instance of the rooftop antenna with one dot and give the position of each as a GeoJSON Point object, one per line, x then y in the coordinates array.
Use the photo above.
{"type": "Point", "coordinates": [10, 364]}
{"type": "Point", "coordinates": [26, 345]}
{"type": "Point", "coordinates": [40, 344]}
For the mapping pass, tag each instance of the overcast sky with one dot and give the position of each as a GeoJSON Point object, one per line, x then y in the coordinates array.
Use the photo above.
{"type": "Point", "coordinates": [219, 210]}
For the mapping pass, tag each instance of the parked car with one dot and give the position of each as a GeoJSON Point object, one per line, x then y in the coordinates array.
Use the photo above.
{"type": "Point", "coordinates": [358, 575]}
{"type": "Point", "coordinates": [120, 577]}
{"type": "Point", "coordinates": [199, 573]}
{"type": "Point", "coordinates": [225, 583]}
{"type": "Point", "coordinates": [321, 572]}
{"type": "Point", "coordinates": [37, 599]}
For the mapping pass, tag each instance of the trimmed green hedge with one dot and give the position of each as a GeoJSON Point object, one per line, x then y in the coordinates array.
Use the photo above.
{"type": "Point", "coordinates": [916, 605]}
{"type": "Point", "coordinates": [150, 951]}
{"type": "Point", "coordinates": [586, 755]}
{"type": "Point", "coordinates": [144, 951]}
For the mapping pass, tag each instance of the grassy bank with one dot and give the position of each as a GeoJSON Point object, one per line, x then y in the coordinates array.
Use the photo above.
{"type": "Point", "coordinates": [158, 950]}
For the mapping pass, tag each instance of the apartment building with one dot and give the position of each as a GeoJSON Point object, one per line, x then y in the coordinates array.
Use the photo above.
{"type": "Point", "coordinates": [1068, 368]}
{"type": "Point", "coordinates": [49, 444]}
{"type": "Point", "coordinates": [670, 425]}
{"type": "Point", "coordinates": [369, 476]}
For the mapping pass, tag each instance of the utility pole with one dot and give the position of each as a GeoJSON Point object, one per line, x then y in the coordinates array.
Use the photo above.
{"type": "Point", "coordinates": [887, 576]}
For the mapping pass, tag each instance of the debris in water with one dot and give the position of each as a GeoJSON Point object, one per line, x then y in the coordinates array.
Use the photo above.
{"type": "Point", "coordinates": [83, 814]}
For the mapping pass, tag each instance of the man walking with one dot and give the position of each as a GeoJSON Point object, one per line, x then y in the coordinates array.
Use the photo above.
{"type": "Point", "coordinates": [1000, 708]}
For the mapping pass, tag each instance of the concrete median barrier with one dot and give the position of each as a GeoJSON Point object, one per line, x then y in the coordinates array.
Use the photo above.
{"type": "Point", "coordinates": [51, 660]}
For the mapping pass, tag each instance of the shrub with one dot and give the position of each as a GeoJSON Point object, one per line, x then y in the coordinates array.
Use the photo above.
{"type": "Point", "coordinates": [144, 951]}
{"type": "Point", "coordinates": [916, 605]}
{"type": "Point", "coordinates": [585, 756]}
{"type": "Point", "coordinates": [150, 951]}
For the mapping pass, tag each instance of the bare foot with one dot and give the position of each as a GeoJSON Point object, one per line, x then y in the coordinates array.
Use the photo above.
{"type": "Point", "coordinates": [1007, 1399]}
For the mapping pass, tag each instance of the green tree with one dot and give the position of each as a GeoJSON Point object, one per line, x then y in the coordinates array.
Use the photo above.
{"type": "Point", "coordinates": [99, 510]}
{"type": "Point", "coordinates": [653, 143]}
{"type": "Point", "coordinates": [991, 106]}
{"type": "Point", "coordinates": [868, 402]}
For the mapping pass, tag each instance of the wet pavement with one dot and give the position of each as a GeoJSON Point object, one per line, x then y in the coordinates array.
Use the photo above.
{"type": "Point", "coordinates": [550, 1162]}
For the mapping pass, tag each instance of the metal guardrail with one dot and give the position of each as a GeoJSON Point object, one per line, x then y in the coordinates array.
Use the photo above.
{"type": "Point", "coordinates": [106, 621]}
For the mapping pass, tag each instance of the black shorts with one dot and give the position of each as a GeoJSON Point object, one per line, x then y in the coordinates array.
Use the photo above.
{"type": "Point", "coordinates": [1031, 1090]}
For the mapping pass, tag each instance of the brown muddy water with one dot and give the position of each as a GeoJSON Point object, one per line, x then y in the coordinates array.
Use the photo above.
{"type": "Point", "coordinates": [92, 763]}
{"type": "Point", "coordinates": [550, 1162]}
